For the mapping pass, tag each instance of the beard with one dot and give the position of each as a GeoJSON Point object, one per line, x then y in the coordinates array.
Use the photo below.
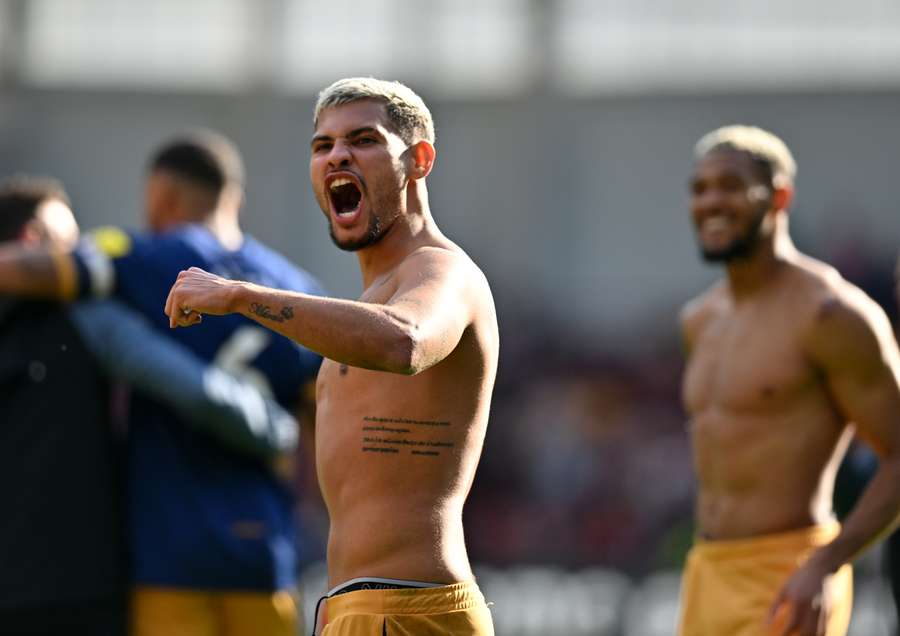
{"type": "Point", "coordinates": [379, 224]}
{"type": "Point", "coordinates": [740, 248]}
{"type": "Point", "coordinates": [373, 234]}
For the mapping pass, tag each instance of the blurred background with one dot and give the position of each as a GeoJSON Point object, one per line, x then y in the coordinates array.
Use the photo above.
{"type": "Point", "coordinates": [564, 137]}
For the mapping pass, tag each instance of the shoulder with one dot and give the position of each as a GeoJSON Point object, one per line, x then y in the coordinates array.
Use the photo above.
{"type": "Point", "coordinates": [696, 313]}
{"type": "Point", "coordinates": [448, 276]}
{"type": "Point", "coordinates": [831, 301]}
{"type": "Point", "coordinates": [447, 258]}
{"type": "Point", "coordinates": [449, 264]}
{"type": "Point", "coordinates": [112, 241]}
{"type": "Point", "coordinates": [843, 326]}
{"type": "Point", "coordinates": [116, 243]}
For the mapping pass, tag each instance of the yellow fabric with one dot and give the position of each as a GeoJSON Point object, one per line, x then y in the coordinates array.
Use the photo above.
{"type": "Point", "coordinates": [728, 587]}
{"type": "Point", "coordinates": [449, 610]}
{"type": "Point", "coordinates": [111, 241]}
{"type": "Point", "coordinates": [177, 612]}
{"type": "Point", "coordinates": [67, 275]}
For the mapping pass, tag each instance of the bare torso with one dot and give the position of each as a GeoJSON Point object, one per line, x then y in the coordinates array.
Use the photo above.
{"type": "Point", "coordinates": [396, 455]}
{"type": "Point", "coordinates": [767, 436]}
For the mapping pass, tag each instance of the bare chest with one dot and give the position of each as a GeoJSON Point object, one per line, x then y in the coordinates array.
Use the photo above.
{"type": "Point", "coordinates": [746, 364]}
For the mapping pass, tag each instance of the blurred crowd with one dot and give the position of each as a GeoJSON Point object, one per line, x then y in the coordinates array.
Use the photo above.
{"type": "Point", "coordinates": [586, 446]}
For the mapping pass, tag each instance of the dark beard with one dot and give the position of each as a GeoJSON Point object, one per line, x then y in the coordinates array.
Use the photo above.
{"type": "Point", "coordinates": [373, 234]}
{"type": "Point", "coordinates": [740, 248]}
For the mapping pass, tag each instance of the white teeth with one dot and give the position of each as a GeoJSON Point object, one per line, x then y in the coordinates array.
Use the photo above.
{"type": "Point", "coordinates": [340, 181]}
{"type": "Point", "coordinates": [715, 223]}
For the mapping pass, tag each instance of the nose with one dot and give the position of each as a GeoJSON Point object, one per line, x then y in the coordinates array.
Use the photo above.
{"type": "Point", "coordinates": [340, 155]}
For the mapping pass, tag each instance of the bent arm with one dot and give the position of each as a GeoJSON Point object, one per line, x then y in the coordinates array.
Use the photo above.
{"type": "Point", "coordinates": [856, 349]}
{"type": "Point", "coordinates": [209, 398]}
{"type": "Point", "coordinates": [37, 272]}
{"type": "Point", "coordinates": [420, 325]}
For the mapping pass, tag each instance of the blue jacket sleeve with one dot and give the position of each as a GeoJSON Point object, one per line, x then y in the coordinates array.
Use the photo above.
{"type": "Point", "coordinates": [209, 398]}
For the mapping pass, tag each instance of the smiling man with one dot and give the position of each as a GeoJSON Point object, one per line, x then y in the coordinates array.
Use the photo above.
{"type": "Point", "coordinates": [404, 393]}
{"type": "Point", "coordinates": [786, 360]}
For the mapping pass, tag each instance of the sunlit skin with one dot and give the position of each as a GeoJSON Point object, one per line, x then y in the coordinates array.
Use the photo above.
{"type": "Point", "coordinates": [412, 361]}
{"type": "Point", "coordinates": [783, 354]}
{"type": "Point", "coordinates": [53, 226]}
{"type": "Point", "coordinates": [371, 156]}
{"type": "Point", "coordinates": [728, 204]}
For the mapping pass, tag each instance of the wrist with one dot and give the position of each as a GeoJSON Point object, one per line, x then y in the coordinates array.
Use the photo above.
{"type": "Point", "coordinates": [825, 560]}
{"type": "Point", "coordinates": [237, 297]}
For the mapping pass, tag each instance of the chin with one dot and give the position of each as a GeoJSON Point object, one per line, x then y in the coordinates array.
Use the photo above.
{"type": "Point", "coordinates": [714, 256]}
{"type": "Point", "coordinates": [348, 244]}
{"type": "Point", "coordinates": [726, 254]}
{"type": "Point", "coordinates": [372, 235]}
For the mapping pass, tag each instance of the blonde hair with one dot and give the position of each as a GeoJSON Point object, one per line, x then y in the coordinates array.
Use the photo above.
{"type": "Point", "coordinates": [768, 150]}
{"type": "Point", "coordinates": [406, 111]}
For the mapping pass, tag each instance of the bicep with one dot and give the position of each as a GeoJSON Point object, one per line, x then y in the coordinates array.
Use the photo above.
{"type": "Point", "coordinates": [858, 355]}
{"type": "Point", "coordinates": [437, 302]}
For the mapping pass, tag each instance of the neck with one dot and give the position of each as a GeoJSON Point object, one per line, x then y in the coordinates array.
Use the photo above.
{"type": "Point", "coordinates": [224, 226]}
{"type": "Point", "coordinates": [747, 276]}
{"type": "Point", "coordinates": [409, 231]}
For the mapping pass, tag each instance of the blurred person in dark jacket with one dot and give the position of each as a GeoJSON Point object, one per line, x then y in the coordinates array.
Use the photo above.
{"type": "Point", "coordinates": [62, 549]}
{"type": "Point", "coordinates": [212, 532]}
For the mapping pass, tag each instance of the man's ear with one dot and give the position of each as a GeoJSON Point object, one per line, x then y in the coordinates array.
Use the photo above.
{"type": "Point", "coordinates": [422, 155]}
{"type": "Point", "coordinates": [782, 196]}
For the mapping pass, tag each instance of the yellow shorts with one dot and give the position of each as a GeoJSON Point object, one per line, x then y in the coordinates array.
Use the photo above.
{"type": "Point", "coordinates": [728, 587]}
{"type": "Point", "coordinates": [449, 610]}
{"type": "Point", "coordinates": [178, 612]}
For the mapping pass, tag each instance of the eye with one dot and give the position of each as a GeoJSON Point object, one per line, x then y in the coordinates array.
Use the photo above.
{"type": "Point", "coordinates": [321, 146]}
{"type": "Point", "coordinates": [365, 141]}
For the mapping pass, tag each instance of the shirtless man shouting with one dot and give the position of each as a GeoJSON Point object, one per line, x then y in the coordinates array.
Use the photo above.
{"type": "Point", "coordinates": [404, 393]}
{"type": "Point", "coordinates": [786, 360]}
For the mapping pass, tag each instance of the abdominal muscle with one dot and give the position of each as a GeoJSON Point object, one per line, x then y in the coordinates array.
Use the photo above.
{"type": "Point", "coordinates": [765, 474]}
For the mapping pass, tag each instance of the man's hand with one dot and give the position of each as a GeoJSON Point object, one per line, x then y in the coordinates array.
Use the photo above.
{"type": "Point", "coordinates": [197, 292]}
{"type": "Point", "coordinates": [803, 606]}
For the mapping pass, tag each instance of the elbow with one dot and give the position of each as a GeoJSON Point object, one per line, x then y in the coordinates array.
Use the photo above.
{"type": "Point", "coordinates": [406, 352]}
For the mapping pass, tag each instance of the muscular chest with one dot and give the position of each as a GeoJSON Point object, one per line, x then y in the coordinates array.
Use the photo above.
{"type": "Point", "coordinates": [746, 364]}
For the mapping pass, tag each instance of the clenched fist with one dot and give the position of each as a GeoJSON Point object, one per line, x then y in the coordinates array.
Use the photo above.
{"type": "Point", "coordinates": [197, 292]}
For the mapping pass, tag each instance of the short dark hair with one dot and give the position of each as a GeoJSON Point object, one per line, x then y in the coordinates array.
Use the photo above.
{"type": "Point", "coordinates": [20, 197]}
{"type": "Point", "coordinates": [206, 158]}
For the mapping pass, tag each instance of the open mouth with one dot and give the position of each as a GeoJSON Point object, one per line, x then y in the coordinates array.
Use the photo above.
{"type": "Point", "coordinates": [345, 197]}
{"type": "Point", "coordinates": [715, 224]}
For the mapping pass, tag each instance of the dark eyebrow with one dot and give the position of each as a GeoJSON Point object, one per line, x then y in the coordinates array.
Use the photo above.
{"type": "Point", "coordinates": [353, 133]}
{"type": "Point", "coordinates": [317, 138]}
{"type": "Point", "coordinates": [364, 130]}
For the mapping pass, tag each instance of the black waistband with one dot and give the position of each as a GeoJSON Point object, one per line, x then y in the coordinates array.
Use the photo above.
{"type": "Point", "coordinates": [377, 584]}
{"type": "Point", "coordinates": [369, 584]}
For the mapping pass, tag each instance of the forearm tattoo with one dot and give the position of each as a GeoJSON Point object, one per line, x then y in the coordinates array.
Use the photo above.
{"type": "Point", "coordinates": [263, 311]}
